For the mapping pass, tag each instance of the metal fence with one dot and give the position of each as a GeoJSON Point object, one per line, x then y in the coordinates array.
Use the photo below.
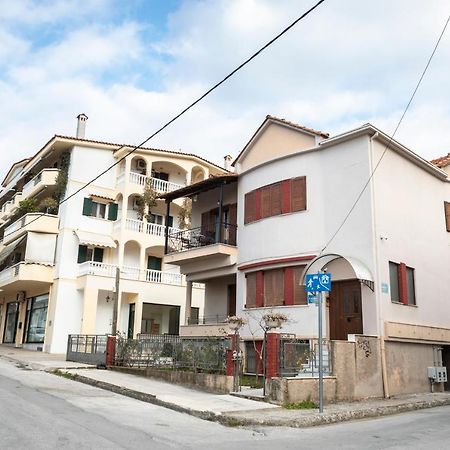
{"type": "Point", "coordinates": [87, 348]}
{"type": "Point", "coordinates": [300, 358]}
{"type": "Point", "coordinates": [174, 352]}
{"type": "Point", "coordinates": [294, 355]}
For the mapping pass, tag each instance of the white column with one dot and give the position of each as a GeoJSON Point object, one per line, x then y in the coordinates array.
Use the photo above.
{"type": "Point", "coordinates": [142, 264]}
{"type": "Point", "coordinates": [187, 312]}
{"type": "Point", "coordinates": [89, 317]}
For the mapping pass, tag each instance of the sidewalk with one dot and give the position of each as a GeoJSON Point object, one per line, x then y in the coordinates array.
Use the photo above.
{"type": "Point", "coordinates": [38, 360]}
{"type": "Point", "coordinates": [226, 409]}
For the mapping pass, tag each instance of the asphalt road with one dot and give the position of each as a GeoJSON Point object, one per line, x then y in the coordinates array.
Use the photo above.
{"type": "Point", "coordinates": [43, 411]}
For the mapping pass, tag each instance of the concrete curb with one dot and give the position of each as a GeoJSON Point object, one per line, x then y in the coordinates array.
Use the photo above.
{"type": "Point", "coordinates": [345, 416]}
{"type": "Point", "coordinates": [240, 419]}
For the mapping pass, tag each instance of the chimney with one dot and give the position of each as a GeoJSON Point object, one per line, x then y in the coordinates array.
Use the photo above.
{"type": "Point", "coordinates": [81, 125]}
{"type": "Point", "coordinates": [227, 163]}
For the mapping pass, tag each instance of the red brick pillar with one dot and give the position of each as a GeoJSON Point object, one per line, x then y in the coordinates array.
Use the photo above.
{"type": "Point", "coordinates": [230, 362]}
{"type": "Point", "coordinates": [110, 350]}
{"type": "Point", "coordinates": [272, 354]}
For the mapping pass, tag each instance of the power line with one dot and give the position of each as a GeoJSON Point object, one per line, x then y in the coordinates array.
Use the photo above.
{"type": "Point", "coordinates": [187, 108]}
{"type": "Point", "coordinates": [391, 138]}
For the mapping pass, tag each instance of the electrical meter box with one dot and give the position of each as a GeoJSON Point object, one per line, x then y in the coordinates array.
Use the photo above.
{"type": "Point", "coordinates": [437, 374]}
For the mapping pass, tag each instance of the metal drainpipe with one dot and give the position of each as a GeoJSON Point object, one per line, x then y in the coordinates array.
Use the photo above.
{"type": "Point", "coordinates": [377, 280]}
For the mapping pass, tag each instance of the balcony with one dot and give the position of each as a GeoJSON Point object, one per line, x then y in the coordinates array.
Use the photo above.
{"type": "Point", "coordinates": [7, 209]}
{"type": "Point", "coordinates": [158, 185]}
{"type": "Point", "coordinates": [29, 272]}
{"type": "Point", "coordinates": [44, 179]}
{"type": "Point", "coordinates": [38, 222]}
{"type": "Point", "coordinates": [205, 326]}
{"type": "Point", "coordinates": [130, 273]}
{"type": "Point", "coordinates": [148, 228]}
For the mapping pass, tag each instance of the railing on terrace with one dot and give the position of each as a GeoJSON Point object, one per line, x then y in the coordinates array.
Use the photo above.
{"type": "Point", "coordinates": [13, 271]}
{"type": "Point", "coordinates": [131, 273]}
{"type": "Point", "coordinates": [208, 320]}
{"type": "Point", "coordinates": [224, 233]}
{"type": "Point", "coordinates": [25, 220]}
{"type": "Point", "coordinates": [148, 228]}
{"type": "Point", "coordinates": [157, 184]}
{"type": "Point", "coordinates": [174, 352]}
{"type": "Point", "coordinates": [28, 187]}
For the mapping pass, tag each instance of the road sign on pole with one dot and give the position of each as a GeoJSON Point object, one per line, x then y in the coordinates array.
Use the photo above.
{"type": "Point", "coordinates": [316, 285]}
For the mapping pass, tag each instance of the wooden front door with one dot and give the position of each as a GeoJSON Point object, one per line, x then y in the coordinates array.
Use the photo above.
{"type": "Point", "coordinates": [345, 309]}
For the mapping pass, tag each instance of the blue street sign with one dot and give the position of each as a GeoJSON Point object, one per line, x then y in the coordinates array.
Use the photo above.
{"type": "Point", "coordinates": [318, 282]}
{"type": "Point", "coordinates": [312, 298]}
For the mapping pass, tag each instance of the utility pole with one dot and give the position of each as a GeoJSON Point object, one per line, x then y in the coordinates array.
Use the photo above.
{"type": "Point", "coordinates": [115, 302]}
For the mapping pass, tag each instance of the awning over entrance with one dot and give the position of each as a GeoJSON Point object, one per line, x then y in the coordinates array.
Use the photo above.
{"type": "Point", "coordinates": [9, 249]}
{"type": "Point", "coordinates": [362, 273]}
{"type": "Point", "coordinates": [95, 239]}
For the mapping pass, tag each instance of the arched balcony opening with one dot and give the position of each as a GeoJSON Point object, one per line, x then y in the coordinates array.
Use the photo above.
{"type": "Point", "coordinates": [131, 260]}
{"type": "Point", "coordinates": [167, 176]}
{"type": "Point", "coordinates": [197, 174]}
{"type": "Point", "coordinates": [139, 165]}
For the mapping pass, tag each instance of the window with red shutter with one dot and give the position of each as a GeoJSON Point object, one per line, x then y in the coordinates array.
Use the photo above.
{"type": "Point", "coordinates": [250, 207]}
{"type": "Point", "coordinates": [275, 199]}
{"type": "Point", "coordinates": [299, 290]}
{"type": "Point", "coordinates": [447, 215]}
{"type": "Point", "coordinates": [251, 290]}
{"type": "Point", "coordinates": [265, 202]}
{"type": "Point", "coordinates": [298, 194]}
{"type": "Point", "coordinates": [274, 287]}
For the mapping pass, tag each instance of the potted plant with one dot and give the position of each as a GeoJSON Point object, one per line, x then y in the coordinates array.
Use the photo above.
{"type": "Point", "coordinates": [236, 322]}
{"type": "Point", "coordinates": [274, 320]}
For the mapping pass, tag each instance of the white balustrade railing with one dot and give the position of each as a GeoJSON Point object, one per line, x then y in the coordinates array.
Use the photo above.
{"type": "Point", "coordinates": [158, 276]}
{"type": "Point", "coordinates": [7, 274]}
{"type": "Point", "coordinates": [128, 273]}
{"type": "Point", "coordinates": [97, 268]}
{"type": "Point", "coordinates": [137, 178]}
{"type": "Point", "coordinates": [157, 184]}
{"type": "Point", "coordinates": [165, 186]}
{"type": "Point", "coordinates": [148, 228]}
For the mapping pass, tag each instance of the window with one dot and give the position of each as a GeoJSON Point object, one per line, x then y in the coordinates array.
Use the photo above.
{"type": "Point", "coordinates": [276, 287]}
{"type": "Point", "coordinates": [36, 318]}
{"type": "Point", "coordinates": [86, 253]}
{"type": "Point", "coordinates": [100, 210]}
{"type": "Point", "coordinates": [447, 215]}
{"type": "Point", "coordinates": [402, 283]}
{"type": "Point", "coordinates": [274, 199]}
{"type": "Point", "coordinates": [156, 218]}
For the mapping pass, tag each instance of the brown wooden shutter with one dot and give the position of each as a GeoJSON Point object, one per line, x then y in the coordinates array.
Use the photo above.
{"type": "Point", "coordinates": [275, 199]}
{"type": "Point", "coordinates": [265, 202]}
{"type": "Point", "coordinates": [402, 284]}
{"type": "Point", "coordinates": [232, 217]}
{"type": "Point", "coordinates": [288, 286]}
{"type": "Point", "coordinates": [286, 194]}
{"type": "Point", "coordinates": [298, 194]}
{"type": "Point", "coordinates": [274, 287]}
{"type": "Point", "coordinates": [447, 215]}
{"type": "Point", "coordinates": [250, 301]}
{"type": "Point", "coordinates": [299, 290]}
{"type": "Point", "coordinates": [205, 222]}
{"type": "Point", "coordinates": [249, 207]}
{"type": "Point", "coordinates": [257, 204]}
{"type": "Point", "coordinates": [259, 289]}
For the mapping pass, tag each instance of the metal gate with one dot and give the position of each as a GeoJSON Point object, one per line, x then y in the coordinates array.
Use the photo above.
{"type": "Point", "coordinates": [87, 348]}
{"type": "Point", "coordinates": [294, 356]}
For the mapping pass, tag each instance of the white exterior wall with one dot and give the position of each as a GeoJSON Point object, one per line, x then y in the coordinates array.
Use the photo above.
{"type": "Point", "coordinates": [410, 221]}
{"type": "Point", "coordinates": [334, 178]}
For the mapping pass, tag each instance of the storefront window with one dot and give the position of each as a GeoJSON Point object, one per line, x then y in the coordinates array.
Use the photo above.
{"type": "Point", "coordinates": [36, 318]}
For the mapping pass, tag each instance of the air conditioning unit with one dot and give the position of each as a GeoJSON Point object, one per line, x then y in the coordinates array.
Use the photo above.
{"type": "Point", "coordinates": [136, 203]}
{"type": "Point", "coordinates": [141, 164]}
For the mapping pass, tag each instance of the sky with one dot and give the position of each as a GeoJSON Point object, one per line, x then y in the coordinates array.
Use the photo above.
{"type": "Point", "coordinates": [131, 66]}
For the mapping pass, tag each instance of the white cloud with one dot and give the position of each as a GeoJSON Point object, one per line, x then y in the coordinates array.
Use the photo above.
{"type": "Point", "coordinates": [347, 64]}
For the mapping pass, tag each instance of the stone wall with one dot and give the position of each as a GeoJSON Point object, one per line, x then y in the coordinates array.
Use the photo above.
{"type": "Point", "coordinates": [211, 382]}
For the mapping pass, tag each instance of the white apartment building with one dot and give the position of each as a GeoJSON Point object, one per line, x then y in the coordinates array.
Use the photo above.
{"type": "Point", "coordinates": [389, 259]}
{"type": "Point", "coordinates": [57, 268]}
